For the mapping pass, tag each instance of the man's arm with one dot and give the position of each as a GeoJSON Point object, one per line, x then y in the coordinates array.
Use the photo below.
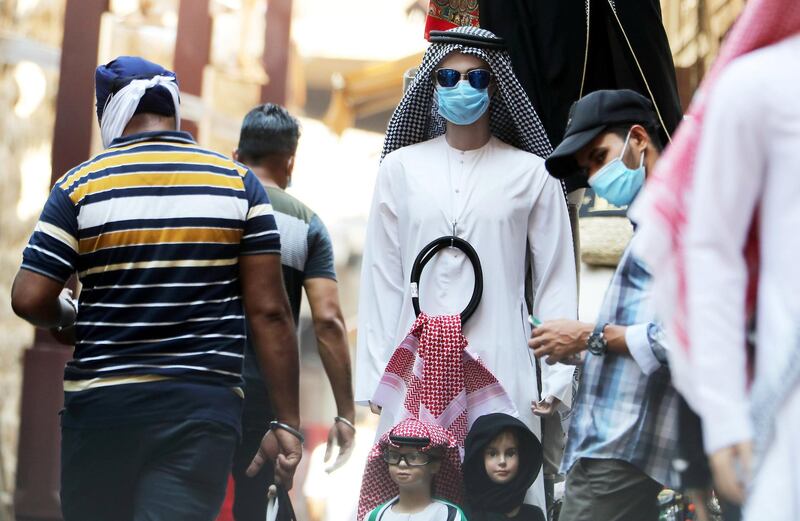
{"type": "Point", "coordinates": [561, 339]}
{"type": "Point", "coordinates": [39, 300]}
{"type": "Point", "coordinates": [275, 344]}
{"type": "Point", "coordinates": [331, 332]}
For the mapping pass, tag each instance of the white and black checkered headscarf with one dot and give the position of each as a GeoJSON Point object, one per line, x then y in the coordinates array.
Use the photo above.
{"type": "Point", "coordinates": [512, 116]}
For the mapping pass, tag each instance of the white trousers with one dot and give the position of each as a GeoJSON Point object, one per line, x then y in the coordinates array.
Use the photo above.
{"type": "Point", "coordinates": [775, 493]}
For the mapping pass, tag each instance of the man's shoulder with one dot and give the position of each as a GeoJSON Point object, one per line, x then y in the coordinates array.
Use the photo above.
{"type": "Point", "coordinates": [286, 203]}
{"type": "Point", "coordinates": [149, 152]}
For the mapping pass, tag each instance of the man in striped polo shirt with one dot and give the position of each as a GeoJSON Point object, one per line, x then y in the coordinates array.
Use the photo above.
{"type": "Point", "coordinates": [171, 244]}
{"type": "Point", "coordinates": [267, 145]}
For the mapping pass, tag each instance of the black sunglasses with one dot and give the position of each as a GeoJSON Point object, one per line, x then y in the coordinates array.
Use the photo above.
{"type": "Point", "coordinates": [478, 78]}
{"type": "Point", "coordinates": [412, 459]}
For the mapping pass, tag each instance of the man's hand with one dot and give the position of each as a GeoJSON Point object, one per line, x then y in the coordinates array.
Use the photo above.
{"type": "Point", "coordinates": [284, 449]}
{"type": "Point", "coordinates": [342, 435]}
{"type": "Point", "coordinates": [731, 469]}
{"type": "Point", "coordinates": [546, 407]}
{"type": "Point", "coordinates": [376, 409]}
{"type": "Point", "coordinates": [559, 340]}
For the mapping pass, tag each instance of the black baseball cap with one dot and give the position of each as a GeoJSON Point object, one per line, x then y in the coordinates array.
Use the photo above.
{"type": "Point", "coordinates": [589, 117]}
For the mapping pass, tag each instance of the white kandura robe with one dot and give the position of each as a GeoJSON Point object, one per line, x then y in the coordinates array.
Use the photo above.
{"type": "Point", "coordinates": [503, 202]}
{"type": "Point", "coordinates": [749, 159]}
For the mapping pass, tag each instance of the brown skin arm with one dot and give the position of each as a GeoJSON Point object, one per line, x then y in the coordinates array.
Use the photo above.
{"type": "Point", "coordinates": [331, 332]}
{"type": "Point", "coordinates": [275, 343]}
{"type": "Point", "coordinates": [560, 339]}
{"type": "Point", "coordinates": [35, 298]}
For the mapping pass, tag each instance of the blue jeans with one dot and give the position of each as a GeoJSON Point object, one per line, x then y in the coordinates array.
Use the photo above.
{"type": "Point", "coordinates": [171, 471]}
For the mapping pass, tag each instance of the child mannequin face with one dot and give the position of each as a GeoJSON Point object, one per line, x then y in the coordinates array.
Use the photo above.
{"type": "Point", "coordinates": [501, 457]}
{"type": "Point", "coordinates": [412, 476]}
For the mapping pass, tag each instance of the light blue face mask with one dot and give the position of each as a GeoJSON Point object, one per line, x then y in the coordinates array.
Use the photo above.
{"type": "Point", "coordinates": [616, 183]}
{"type": "Point", "coordinates": [462, 104]}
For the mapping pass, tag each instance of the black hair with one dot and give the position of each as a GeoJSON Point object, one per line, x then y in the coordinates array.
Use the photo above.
{"type": "Point", "coordinates": [268, 131]}
{"type": "Point", "coordinates": [622, 131]}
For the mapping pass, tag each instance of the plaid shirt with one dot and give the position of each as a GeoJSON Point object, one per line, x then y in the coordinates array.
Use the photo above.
{"type": "Point", "coordinates": [619, 411]}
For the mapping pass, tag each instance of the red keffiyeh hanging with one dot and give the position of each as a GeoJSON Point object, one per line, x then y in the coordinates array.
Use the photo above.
{"type": "Point", "coordinates": [447, 14]}
{"type": "Point", "coordinates": [434, 377]}
{"type": "Point", "coordinates": [377, 486]}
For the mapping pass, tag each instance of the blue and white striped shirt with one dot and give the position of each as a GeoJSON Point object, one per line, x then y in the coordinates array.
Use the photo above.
{"type": "Point", "coordinates": [154, 227]}
{"type": "Point", "coordinates": [621, 411]}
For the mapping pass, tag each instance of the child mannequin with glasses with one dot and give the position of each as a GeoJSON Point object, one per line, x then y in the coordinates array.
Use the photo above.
{"type": "Point", "coordinates": [407, 474]}
{"type": "Point", "coordinates": [502, 459]}
{"type": "Point", "coordinates": [413, 472]}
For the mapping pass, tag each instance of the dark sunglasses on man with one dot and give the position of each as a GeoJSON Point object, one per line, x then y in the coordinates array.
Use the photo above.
{"type": "Point", "coordinates": [478, 78]}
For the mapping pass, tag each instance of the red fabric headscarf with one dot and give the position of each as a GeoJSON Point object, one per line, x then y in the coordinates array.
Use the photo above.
{"type": "Point", "coordinates": [433, 376]}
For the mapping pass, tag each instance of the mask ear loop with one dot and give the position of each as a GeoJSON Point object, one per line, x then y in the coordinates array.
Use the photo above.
{"type": "Point", "coordinates": [625, 147]}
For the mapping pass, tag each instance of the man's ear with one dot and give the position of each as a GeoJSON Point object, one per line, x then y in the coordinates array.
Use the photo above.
{"type": "Point", "coordinates": [235, 154]}
{"type": "Point", "coordinates": [639, 138]}
{"type": "Point", "coordinates": [290, 165]}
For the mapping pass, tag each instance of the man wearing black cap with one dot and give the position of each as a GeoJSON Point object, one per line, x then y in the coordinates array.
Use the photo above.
{"type": "Point", "coordinates": [623, 432]}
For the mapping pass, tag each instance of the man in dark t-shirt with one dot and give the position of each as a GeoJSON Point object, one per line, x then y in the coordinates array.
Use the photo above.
{"type": "Point", "coordinates": [267, 145]}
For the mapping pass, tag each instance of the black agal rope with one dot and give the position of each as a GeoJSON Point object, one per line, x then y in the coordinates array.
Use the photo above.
{"type": "Point", "coordinates": [428, 253]}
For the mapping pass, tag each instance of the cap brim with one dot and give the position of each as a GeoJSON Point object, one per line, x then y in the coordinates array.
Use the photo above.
{"type": "Point", "coordinates": [561, 163]}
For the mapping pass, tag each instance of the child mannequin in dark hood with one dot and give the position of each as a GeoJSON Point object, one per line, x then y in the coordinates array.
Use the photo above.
{"type": "Point", "coordinates": [502, 459]}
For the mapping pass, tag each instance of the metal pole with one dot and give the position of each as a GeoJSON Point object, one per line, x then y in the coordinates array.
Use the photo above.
{"type": "Point", "coordinates": [276, 51]}
{"type": "Point", "coordinates": [192, 50]}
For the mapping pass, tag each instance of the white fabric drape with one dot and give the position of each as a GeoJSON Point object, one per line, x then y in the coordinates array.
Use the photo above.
{"type": "Point", "coordinates": [121, 105]}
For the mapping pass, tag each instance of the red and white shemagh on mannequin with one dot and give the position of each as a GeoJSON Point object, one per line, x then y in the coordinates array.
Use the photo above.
{"type": "Point", "coordinates": [432, 376]}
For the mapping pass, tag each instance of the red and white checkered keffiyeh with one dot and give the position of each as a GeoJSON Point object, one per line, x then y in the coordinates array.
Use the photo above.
{"type": "Point", "coordinates": [661, 210]}
{"type": "Point", "coordinates": [377, 486]}
{"type": "Point", "coordinates": [434, 377]}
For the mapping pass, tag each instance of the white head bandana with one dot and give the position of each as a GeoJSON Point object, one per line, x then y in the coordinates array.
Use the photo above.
{"type": "Point", "coordinates": [121, 105]}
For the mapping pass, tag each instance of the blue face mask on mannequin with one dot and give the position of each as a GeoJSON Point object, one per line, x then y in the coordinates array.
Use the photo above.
{"type": "Point", "coordinates": [462, 104]}
{"type": "Point", "coordinates": [615, 182]}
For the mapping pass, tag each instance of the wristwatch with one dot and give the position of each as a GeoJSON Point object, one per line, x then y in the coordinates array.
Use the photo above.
{"type": "Point", "coordinates": [597, 344]}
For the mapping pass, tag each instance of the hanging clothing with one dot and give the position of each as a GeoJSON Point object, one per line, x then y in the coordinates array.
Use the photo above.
{"type": "Point", "coordinates": [564, 50]}
{"type": "Point", "coordinates": [447, 14]}
{"type": "Point", "coordinates": [484, 497]}
{"type": "Point", "coordinates": [377, 486]}
{"type": "Point", "coordinates": [432, 376]}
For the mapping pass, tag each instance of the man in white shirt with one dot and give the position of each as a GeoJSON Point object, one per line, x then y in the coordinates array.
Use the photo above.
{"type": "Point", "coordinates": [739, 251]}
{"type": "Point", "coordinates": [468, 164]}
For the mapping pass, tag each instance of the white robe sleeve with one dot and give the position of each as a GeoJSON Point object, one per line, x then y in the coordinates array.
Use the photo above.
{"type": "Point", "coordinates": [555, 288]}
{"type": "Point", "coordinates": [381, 291]}
{"type": "Point", "coordinates": [729, 171]}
